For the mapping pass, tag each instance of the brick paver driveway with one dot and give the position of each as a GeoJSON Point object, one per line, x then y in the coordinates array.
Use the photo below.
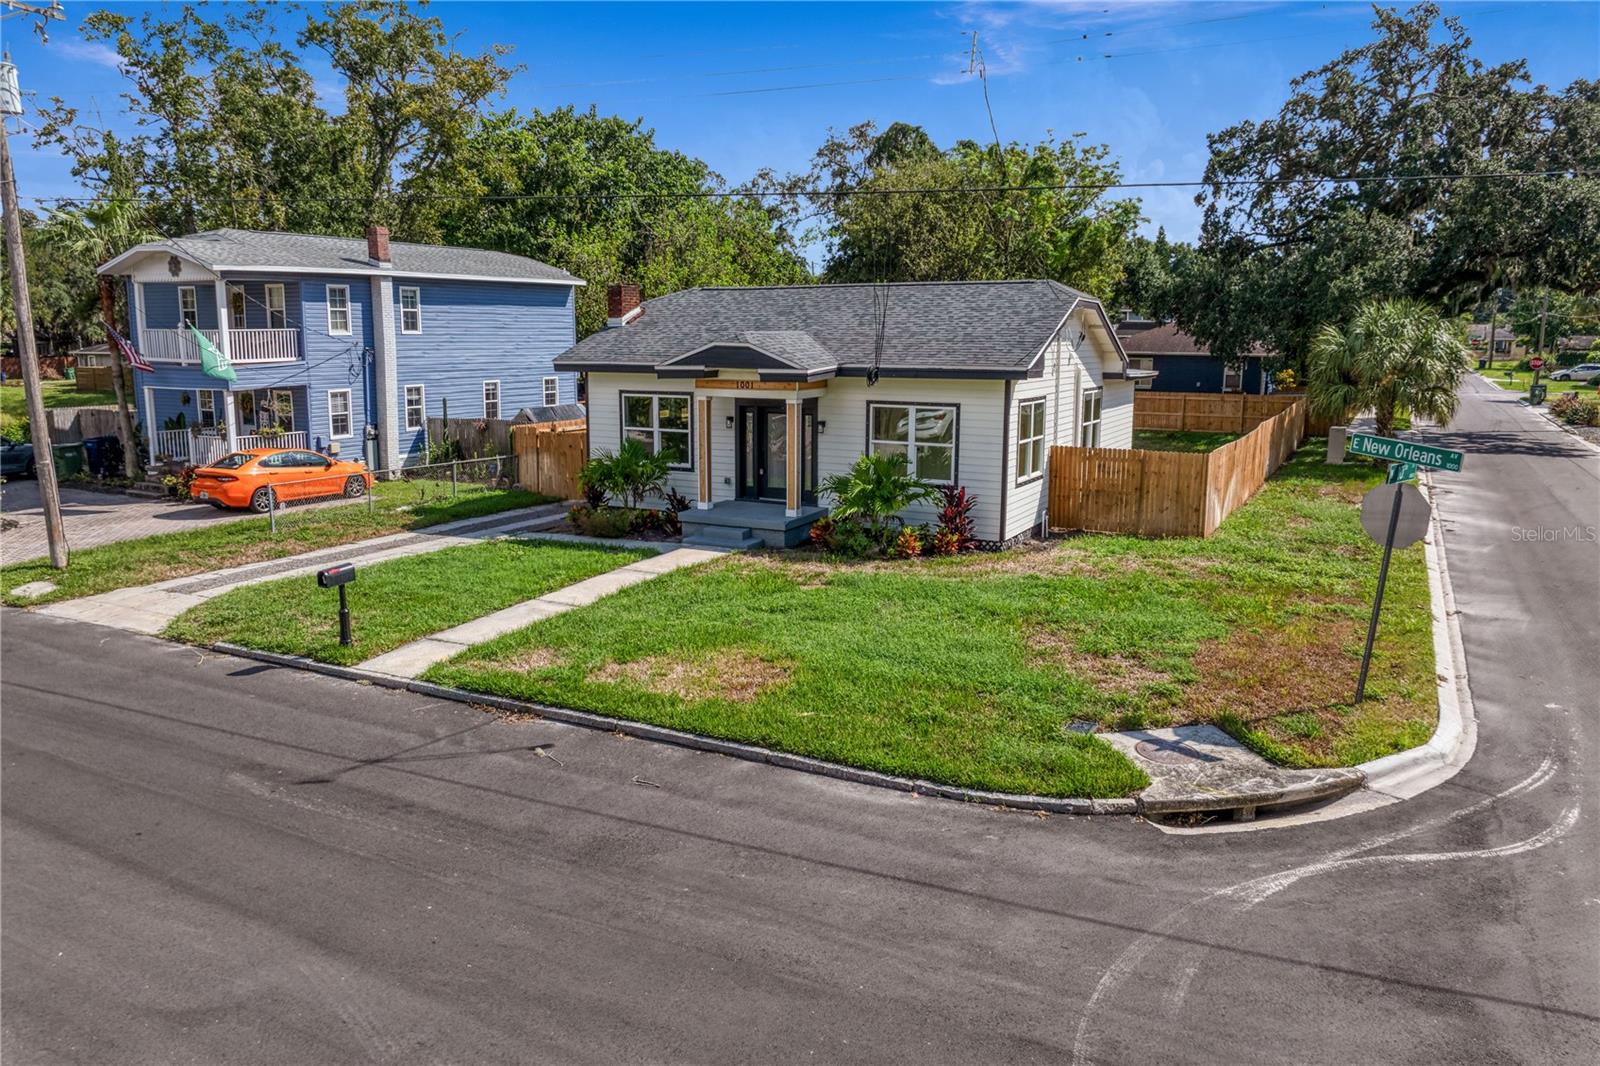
{"type": "Point", "coordinates": [93, 518]}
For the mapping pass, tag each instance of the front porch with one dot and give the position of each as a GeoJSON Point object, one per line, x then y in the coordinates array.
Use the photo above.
{"type": "Point", "coordinates": [748, 524]}
{"type": "Point", "coordinates": [199, 426]}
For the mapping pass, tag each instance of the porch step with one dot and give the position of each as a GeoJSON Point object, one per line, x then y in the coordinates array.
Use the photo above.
{"type": "Point", "coordinates": [705, 536]}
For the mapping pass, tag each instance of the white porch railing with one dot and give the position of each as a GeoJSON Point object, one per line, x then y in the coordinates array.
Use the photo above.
{"type": "Point", "coordinates": [244, 345]}
{"type": "Point", "coordinates": [202, 449]}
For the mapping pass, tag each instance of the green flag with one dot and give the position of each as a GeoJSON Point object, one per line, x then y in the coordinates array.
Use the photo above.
{"type": "Point", "coordinates": [212, 361]}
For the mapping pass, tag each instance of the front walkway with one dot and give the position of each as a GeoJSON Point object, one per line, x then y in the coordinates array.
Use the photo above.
{"type": "Point", "coordinates": [148, 608]}
{"type": "Point", "coordinates": [410, 660]}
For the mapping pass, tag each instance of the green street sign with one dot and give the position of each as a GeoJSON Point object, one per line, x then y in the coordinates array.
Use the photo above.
{"type": "Point", "coordinates": [1403, 451]}
{"type": "Point", "coordinates": [1400, 472]}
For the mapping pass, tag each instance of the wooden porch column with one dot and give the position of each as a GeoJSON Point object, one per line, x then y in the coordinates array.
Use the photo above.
{"type": "Point", "coordinates": [793, 446]}
{"type": "Point", "coordinates": [702, 449]}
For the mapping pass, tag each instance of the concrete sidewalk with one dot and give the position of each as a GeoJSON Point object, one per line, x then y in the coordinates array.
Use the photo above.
{"type": "Point", "coordinates": [149, 608]}
{"type": "Point", "coordinates": [410, 660]}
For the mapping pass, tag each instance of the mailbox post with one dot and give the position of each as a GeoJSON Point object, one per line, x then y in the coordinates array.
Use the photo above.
{"type": "Point", "coordinates": [338, 577]}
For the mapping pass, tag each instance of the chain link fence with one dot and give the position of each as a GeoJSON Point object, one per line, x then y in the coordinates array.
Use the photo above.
{"type": "Point", "coordinates": [468, 486]}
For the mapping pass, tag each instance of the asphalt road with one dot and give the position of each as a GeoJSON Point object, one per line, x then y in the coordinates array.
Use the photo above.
{"type": "Point", "coordinates": [213, 861]}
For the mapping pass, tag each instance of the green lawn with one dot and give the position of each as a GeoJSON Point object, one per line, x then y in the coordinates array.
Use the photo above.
{"type": "Point", "coordinates": [400, 505]}
{"type": "Point", "coordinates": [966, 670]}
{"type": "Point", "coordinates": [14, 402]}
{"type": "Point", "coordinates": [1175, 440]}
{"type": "Point", "coordinates": [396, 602]}
{"type": "Point", "coordinates": [1521, 379]}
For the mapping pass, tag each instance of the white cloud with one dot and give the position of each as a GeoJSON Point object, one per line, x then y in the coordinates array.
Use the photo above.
{"type": "Point", "coordinates": [101, 55]}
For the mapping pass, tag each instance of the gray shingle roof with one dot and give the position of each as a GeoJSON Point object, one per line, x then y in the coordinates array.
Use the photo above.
{"type": "Point", "coordinates": [987, 328]}
{"type": "Point", "coordinates": [793, 346]}
{"type": "Point", "coordinates": [260, 250]}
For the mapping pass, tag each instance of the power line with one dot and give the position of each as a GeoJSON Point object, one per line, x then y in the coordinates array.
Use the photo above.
{"type": "Point", "coordinates": [825, 194]}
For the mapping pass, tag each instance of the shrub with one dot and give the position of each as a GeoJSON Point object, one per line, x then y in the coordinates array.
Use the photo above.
{"type": "Point", "coordinates": [630, 473]}
{"type": "Point", "coordinates": [944, 542]}
{"type": "Point", "coordinates": [1576, 410]}
{"type": "Point", "coordinates": [822, 532]}
{"type": "Point", "coordinates": [908, 545]}
{"type": "Point", "coordinates": [1285, 380]}
{"type": "Point", "coordinates": [594, 497]}
{"type": "Point", "coordinates": [178, 484]}
{"type": "Point", "coordinates": [16, 430]}
{"type": "Point", "coordinates": [846, 538]}
{"type": "Point", "coordinates": [606, 521]}
{"type": "Point", "coordinates": [874, 492]}
{"type": "Point", "coordinates": [955, 518]}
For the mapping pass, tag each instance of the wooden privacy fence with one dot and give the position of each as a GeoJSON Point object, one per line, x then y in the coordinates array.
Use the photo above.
{"type": "Point", "coordinates": [1168, 494]}
{"type": "Point", "coordinates": [68, 425]}
{"type": "Point", "coordinates": [550, 455]}
{"type": "Point", "coordinates": [477, 437]}
{"type": "Point", "coordinates": [1207, 412]}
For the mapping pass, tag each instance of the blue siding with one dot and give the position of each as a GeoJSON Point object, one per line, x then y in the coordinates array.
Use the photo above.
{"type": "Point", "coordinates": [161, 305]}
{"type": "Point", "coordinates": [474, 332]}
{"type": "Point", "coordinates": [1199, 373]}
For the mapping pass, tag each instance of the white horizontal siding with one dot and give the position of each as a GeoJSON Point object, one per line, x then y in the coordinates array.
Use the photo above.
{"type": "Point", "coordinates": [1116, 415]}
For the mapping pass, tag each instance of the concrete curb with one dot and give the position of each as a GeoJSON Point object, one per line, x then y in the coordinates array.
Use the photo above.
{"type": "Point", "coordinates": [1408, 773]}
{"type": "Point", "coordinates": [661, 734]}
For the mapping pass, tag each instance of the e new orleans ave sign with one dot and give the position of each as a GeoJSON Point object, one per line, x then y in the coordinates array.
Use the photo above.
{"type": "Point", "coordinates": [1402, 451]}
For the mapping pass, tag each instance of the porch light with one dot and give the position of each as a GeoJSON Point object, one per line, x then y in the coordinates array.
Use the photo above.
{"type": "Point", "coordinates": [728, 422]}
{"type": "Point", "coordinates": [822, 426]}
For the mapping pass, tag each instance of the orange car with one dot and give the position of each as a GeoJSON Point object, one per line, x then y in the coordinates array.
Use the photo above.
{"type": "Point", "coordinates": [241, 479]}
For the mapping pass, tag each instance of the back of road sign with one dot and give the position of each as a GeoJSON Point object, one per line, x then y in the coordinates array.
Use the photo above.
{"type": "Point", "coordinates": [1414, 514]}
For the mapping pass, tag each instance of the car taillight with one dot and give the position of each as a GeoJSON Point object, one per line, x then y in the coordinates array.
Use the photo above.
{"type": "Point", "coordinates": [221, 477]}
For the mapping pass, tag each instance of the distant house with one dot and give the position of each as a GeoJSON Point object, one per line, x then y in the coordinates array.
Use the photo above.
{"type": "Point", "coordinates": [758, 394]}
{"type": "Point", "coordinates": [1183, 363]}
{"type": "Point", "coordinates": [1579, 345]}
{"type": "Point", "coordinates": [1506, 345]}
{"type": "Point", "coordinates": [339, 344]}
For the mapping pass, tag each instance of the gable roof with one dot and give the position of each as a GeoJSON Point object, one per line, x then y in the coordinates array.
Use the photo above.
{"type": "Point", "coordinates": [985, 329]}
{"type": "Point", "coordinates": [1147, 337]}
{"type": "Point", "coordinates": [1480, 331]}
{"type": "Point", "coordinates": [1581, 342]}
{"type": "Point", "coordinates": [238, 249]}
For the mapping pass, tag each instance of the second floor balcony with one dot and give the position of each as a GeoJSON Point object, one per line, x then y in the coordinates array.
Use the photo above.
{"type": "Point", "coordinates": [245, 346]}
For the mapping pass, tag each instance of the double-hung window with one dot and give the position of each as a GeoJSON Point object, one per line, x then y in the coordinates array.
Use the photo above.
{"type": "Point", "coordinates": [410, 309]}
{"type": "Point", "coordinates": [188, 307]}
{"type": "Point", "coordinates": [1089, 424]}
{"type": "Point", "coordinates": [208, 408]}
{"type": "Point", "coordinates": [552, 391]}
{"type": "Point", "coordinates": [924, 434]}
{"type": "Point", "coordinates": [339, 310]}
{"type": "Point", "coordinates": [236, 315]}
{"type": "Point", "coordinates": [1030, 439]}
{"type": "Point", "coordinates": [339, 412]}
{"type": "Point", "coordinates": [491, 399]}
{"type": "Point", "coordinates": [660, 422]}
{"type": "Point", "coordinates": [277, 310]}
{"type": "Point", "coordinates": [1232, 378]}
{"type": "Point", "coordinates": [414, 406]}
{"type": "Point", "coordinates": [1143, 362]}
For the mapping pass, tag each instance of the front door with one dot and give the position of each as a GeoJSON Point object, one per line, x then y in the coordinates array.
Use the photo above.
{"type": "Point", "coordinates": [763, 428]}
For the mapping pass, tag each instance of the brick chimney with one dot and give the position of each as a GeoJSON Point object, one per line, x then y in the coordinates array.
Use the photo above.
{"type": "Point", "coordinates": [622, 303]}
{"type": "Point", "coordinates": [378, 245]}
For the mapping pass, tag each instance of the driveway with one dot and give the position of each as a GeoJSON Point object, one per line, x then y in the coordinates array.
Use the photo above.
{"type": "Point", "coordinates": [93, 518]}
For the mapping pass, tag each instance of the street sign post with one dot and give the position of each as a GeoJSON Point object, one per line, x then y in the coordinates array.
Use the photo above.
{"type": "Point", "coordinates": [1400, 472]}
{"type": "Point", "coordinates": [1394, 517]}
{"type": "Point", "coordinates": [1403, 451]}
{"type": "Point", "coordinates": [1536, 363]}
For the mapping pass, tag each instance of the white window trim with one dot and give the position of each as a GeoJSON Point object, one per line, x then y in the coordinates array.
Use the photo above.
{"type": "Point", "coordinates": [281, 410]}
{"type": "Point", "coordinates": [194, 307]}
{"type": "Point", "coordinates": [349, 415]}
{"type": "Point", "coordinates": [238, 318]}
{"type": "Point", "coordinates": [1098, 394]}
{"type": "Point", "coordinates": [1038, 438]}
{"type": "Point", "coordinates": [400, 301]}
{"type": "Point", "coordinates": [1237, 374]}
{"type": "Point", "coordinates": [281, 310]}
{"type": "Point", "coordinates": [422, 406]}
{"type": "Point", "coordinates": [552, 387]}
{"type": "Point", "coordinates": [205, 403]}
{"type": "Point", "coordinates": [349, 317]}
{"type": "Point", "coordinates": [910, 443]}
{"type": "Point", "coordinates": [1143, 362]}
{"type": "Point", "coordinates": [655, 422]}
{"type": "Point", "coordinates": [496, 383]}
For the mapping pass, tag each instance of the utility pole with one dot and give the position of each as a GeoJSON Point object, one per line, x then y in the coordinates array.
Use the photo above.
{"type": "Point", "coordinates": [1544, 309]}
{"type": "Point", "coordinates": [43, 458]}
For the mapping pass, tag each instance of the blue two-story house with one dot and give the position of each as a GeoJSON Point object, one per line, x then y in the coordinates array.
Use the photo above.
{"type": "Point", "coordinates": [340, 345]}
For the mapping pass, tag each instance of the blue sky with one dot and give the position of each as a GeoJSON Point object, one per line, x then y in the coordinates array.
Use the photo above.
{"type": "Point", "coordinates": [738, 84]}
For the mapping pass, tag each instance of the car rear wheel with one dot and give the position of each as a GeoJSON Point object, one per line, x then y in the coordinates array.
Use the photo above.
{"type": "Point", "coordinates": [355, 486]}
{"type": "Point", "coordinates": [261, 501]}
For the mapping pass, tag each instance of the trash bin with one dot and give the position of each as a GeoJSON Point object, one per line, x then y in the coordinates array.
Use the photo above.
{"type": "Point", "coordinates": [1536, 394]}
{"type": "Point", "coordinates": [70, 373]}
{"type": "Point", "coordinates": [1483, 364]}
{"type": "Point", "coordinates": [94, 455]}
{"type": "Point", "coordinates": [69, 459]}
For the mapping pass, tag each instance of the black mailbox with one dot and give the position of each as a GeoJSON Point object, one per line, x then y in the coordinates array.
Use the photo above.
{"type": "Point", "coordinates": [334, 576]}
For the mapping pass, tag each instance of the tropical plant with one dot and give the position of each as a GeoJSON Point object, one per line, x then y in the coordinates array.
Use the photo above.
{"type": "Point", "coordinates": [874, 491]}
{"type": "Point", "coordinates": [1395, 355]}
{"type": "Point", "coordinates": [907, 545]}
{"type": "Point", "coordinates": [1576, 410]}
{"type": "Point", "coordinates": [955, 520]}
{"type": "Point", "coordinates": [629, 474]}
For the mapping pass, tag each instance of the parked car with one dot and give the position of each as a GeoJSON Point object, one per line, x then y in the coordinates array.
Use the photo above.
{"type": "Point", "coordinates": [1581, 372]}
{"type": "Point", "coordinates": [256, 477]}
{"type": "Point", "coordinates": [16, 460]}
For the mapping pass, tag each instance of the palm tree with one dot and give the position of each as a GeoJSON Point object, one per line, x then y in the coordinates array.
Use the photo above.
{"type": "Point", "coordinates": [99, 232]}
{"type": "Point", "coordinates": [1395, 355]}
{"type": "Point", "coordinates": [874, 491]}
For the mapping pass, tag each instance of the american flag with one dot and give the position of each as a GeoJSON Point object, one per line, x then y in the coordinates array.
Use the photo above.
{"type": "Point", "coordinates": [135, 360]}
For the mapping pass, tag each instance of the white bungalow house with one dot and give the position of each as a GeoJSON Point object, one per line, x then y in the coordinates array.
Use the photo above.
{"type": "Point", "coordinates": [758, 394]}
